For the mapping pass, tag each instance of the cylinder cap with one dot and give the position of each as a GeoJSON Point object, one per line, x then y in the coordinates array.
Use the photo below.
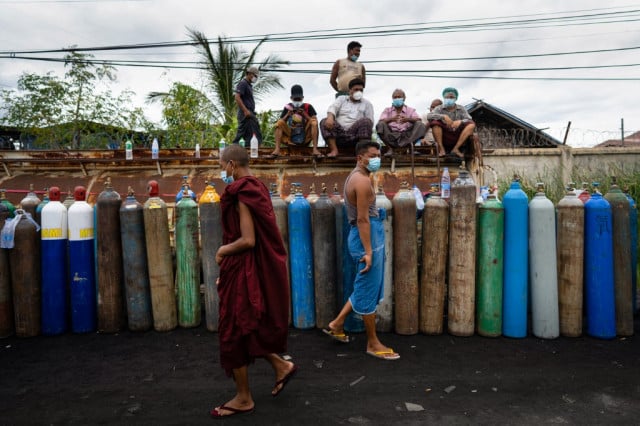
{"type": "Point", "coordinates": [152, 188]}
{"type": "Point", "coordinates": [79, 193]}
{"type": "Point", "coordinates": [54, 193]}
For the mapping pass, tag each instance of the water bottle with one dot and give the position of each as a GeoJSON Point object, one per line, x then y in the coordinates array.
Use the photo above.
{"type": "Point", "coordinates": [197, 150]}
{"type": "Point", "coordinates": [254, 146]}
{"type": "Point", "coordinates": [221, 145]}
{"type": "Point", "coordinates": [445, 183]}
{"type": "Point", "coordinates": [128, 149]}
{"type": "Point", "coordinates": [155, 149]}
{"type": "Point", "coordinates": [241, 142]}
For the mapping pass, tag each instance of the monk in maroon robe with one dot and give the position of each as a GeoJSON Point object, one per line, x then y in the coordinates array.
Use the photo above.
{"type": "Point", "coordinates": [253, 285]}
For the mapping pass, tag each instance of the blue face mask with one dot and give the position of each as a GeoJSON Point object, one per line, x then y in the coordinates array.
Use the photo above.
{"type": "Point", "coordinates": [449, 102]}
{"type": "Point", "coordinates": [397, 102]}
{"type": "Point", "coordinates": [226, 179]}
{"type": "Point", "coordinates": [374, 164]}
{"type": "Point", "coordinates": [354, 57]}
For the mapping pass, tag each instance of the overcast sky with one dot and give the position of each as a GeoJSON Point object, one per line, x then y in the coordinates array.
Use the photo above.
{"type": "Point", "coordinates": [444, 30]}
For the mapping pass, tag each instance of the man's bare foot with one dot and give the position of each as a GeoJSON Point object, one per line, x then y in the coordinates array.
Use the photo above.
{"type": "Point", "coordinates": [457, 153]}
{"type": "Point", "coordinates": [382, 352]}
{"type": "Point", "coordinates": [332, 154]}
{"type": "Point", "coordinates": [317, 153]}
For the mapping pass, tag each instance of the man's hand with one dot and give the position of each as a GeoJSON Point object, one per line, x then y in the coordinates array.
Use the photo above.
{"type": "Point", "coordinates": [329, 122]}
{"type": "Point", "coordinates": [366, 259]}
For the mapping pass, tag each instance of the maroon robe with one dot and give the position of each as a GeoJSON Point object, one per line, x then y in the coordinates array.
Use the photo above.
{"type": "Point", "coordinates": [254, 285]}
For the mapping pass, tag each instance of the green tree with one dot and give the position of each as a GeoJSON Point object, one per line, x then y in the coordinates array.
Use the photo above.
{"type": "Point", "coordinates": [64, 112]}
{"type": "Point", "coordinates": [225, 67]}
{"type": "Point", "coordinates": [188, 114]}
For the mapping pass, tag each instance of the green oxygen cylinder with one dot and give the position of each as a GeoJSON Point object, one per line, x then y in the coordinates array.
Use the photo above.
{"type": "Point", "coordinates": [489, 267]}
{"type": "Point", "coordinates": [187, 262]}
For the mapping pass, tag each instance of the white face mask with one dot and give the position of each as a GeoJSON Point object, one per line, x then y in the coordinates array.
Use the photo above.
{"type": "Point", "coordinates": [296, 104]}
{"type": "Point", "coordinates": [357, 95]}
{"type": "Point", "coordinates": [254, 79]}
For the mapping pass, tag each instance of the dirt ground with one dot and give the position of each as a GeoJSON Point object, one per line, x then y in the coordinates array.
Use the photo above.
{"type": "Point", "coordinates": [174, 378]}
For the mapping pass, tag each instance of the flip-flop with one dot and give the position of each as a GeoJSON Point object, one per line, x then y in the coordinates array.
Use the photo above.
{"type": "Point", "coordinates": [318, 155]}
{"type": "Point", "coordinates": [340, 337]}
{"type": "Point", "coordinates": [388, 354]}
{"type": "Point", "coordinates": [215, 413]}
{"type": "Point", "coordinates": [332, 156]}
{"type": "Point", "coordinates": [285, 380]}
{"type": "Point", "coordinates": [271, 156]}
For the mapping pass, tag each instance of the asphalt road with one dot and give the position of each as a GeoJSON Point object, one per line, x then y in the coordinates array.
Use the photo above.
{"type": "Point", "coordinates": [175, 378]}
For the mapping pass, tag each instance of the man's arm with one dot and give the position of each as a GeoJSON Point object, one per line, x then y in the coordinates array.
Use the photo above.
{"type": "Point", "coordinates": [241, 105]}
{"type": "Point", "coordinates": [333, 79]}
{"type": "Point", "coordinates": [364, 75]}
{"type": "Point", "coordinates": [363, 192]}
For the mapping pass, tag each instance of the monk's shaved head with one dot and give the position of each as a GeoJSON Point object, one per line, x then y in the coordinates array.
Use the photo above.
{"type": "Point", "coordinates": [235, 153]}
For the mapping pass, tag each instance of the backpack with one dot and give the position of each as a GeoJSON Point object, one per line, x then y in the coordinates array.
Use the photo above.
{"type": "Point", "coordinates": [297, 124]}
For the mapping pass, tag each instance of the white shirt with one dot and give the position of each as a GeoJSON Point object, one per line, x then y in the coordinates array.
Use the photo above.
{"type": "Point", "coordinates": [348, 112]}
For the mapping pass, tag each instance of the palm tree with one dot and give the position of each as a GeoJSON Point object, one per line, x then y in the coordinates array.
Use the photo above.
{"type": "Point", "coordinates": [226, 67]}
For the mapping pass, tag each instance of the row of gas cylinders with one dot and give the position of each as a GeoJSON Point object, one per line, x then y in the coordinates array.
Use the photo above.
{"type": "Point", "coordinates": [102, 268]}
{"type": "Point", "coordinates": [507, 268]}
{"type": "Point", "coordinates": [490, 269]}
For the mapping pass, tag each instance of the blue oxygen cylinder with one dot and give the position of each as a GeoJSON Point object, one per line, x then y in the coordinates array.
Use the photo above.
{"type": "Point", "coordinates": [301, 262]}
{"type": "Point", "coordinates": [134, 264]}
{"type": "Point", "coordinates": [598, 268]}
{"type": "Point", "coordinates": [39, 207]}
{"type": "Point", "coordinates": [633, 219]}
{"type": "Point", "coordinates": [543, 269]}
{"type": "Point", "coordinates": [54, 265]}
{"type": "Point", "coordinates": [384, 312]}
{"type": "Point", "coordinates": [516, 271]}
{"type": "Point", "coordinates": [82, 284]}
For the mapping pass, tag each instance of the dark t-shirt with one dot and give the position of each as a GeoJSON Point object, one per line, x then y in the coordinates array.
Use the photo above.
{"type": "Point", "coordinates": [308, 107]}
{"type": "Point", "coordinates": [245, 90]}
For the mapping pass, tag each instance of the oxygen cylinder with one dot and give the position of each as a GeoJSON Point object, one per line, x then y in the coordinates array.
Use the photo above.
{"type": "Point", "coordinates": [210, 240]}
{"type": "Point", "coordinates": [384, 312]}
{"type": "Point", "coordinates": [187, 262]}
{"type": "Point", "coordinates": [6, 304]}
{"type": "Point", "coordinates": [516, 261]}
{"type": "Point", "coordinates": [405, 267]}
{"type": "Point", "coordinates": [323, 222]}
{"type": "Point", "coordinates": [134, 264]}
{"type": "Point", "coordinates": [156, 232]}
{"type": "Point", "coordinates": [30, 202]}
{"type": "Point", "coordinates": [490, 267]}
{"type": "Point", "coordinates": [633, 226]}
{"type": "Point", "coordinates": [621, 259]}
{"type": "Point", "coordinates": [301, 262]}
{"type": "Point", "coordinates": [54, 265]}
{"type": "Point", "coordinates": [435, 248]}
{"type": "Point", "coordinates": [313, 196]}
{"type": "Point", "coordinates": [7, 203]}
{"type": "Point", "coordinates": [292, 193]}
{"type": "Point", "coordinates": [40, 206]}
{"type": "Point", "coordinates": [598, 269]}
{"type": "Point", "coordinates": [570, 246]}
{"type": "Point", "coordinates": [462, 255]}
{"type": "Point", "coordinates": [24, 261]}
{"type": "Point", "coordinates": [543, 270]}
{"type": "Point", "coordinates": [338, 208]}
{"type": "Point", "coordinates": [81, 263]}
{"type": "Point", "coordinates": [109, 261]}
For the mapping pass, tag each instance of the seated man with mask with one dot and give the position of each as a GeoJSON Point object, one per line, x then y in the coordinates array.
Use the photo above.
{"type": "Point", "coordinates": [349, 119]}
{"type": "Point", "coordinates": [298, 124]}
{"type": "Point", "coordinates": [400, 125]}
{"type": "Point", "coordinates": [451, 124]}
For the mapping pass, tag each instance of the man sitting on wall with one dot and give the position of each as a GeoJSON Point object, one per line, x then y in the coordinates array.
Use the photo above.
{"type": "Point", "coordinates": [399, 124]}
{"type": "Point", "coordinates": [451, 124]}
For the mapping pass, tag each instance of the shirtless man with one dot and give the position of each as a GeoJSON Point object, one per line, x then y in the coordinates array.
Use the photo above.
{"type": "Point", "coordinates": [366, 247]}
